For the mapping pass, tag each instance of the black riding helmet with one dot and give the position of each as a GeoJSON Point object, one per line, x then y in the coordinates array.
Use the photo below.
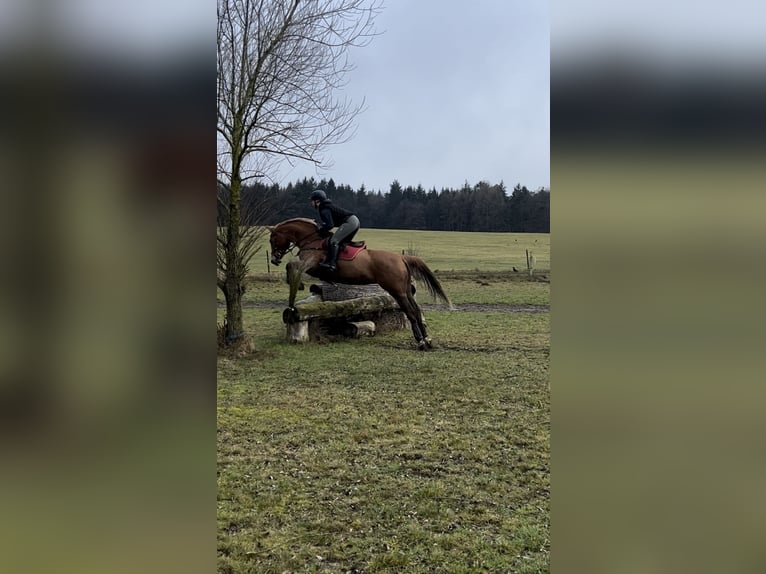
{"type": "Point", "coordinates": [318, 194]}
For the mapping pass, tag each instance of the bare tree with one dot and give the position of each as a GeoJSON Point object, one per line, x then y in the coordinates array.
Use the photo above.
{"type": "Point", "coordinates": [232, 266]}
{"type": "Point", "coordinates": [281, 67]}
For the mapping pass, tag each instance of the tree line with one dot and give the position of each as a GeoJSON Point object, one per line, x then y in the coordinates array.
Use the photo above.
{"type": "Point", "coordinates": [479, 207]}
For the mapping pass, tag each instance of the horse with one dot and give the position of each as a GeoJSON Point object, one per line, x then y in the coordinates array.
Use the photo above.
{"type": "Point", "coordinates": [393, 272]}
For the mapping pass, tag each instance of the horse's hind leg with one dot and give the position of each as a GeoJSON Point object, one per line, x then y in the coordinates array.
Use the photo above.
{"type": "Point", "coordinates": [421, 323]}
{"type": "Point", "coordinates": [413, 315]}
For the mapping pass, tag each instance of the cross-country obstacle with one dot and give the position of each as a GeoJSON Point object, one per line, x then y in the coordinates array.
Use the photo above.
{"type": "Point", "coordinates": [334, 312]}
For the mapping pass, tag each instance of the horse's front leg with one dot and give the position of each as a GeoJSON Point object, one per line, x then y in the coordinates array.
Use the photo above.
{"type": "Point", "coordinates": [294, 271]}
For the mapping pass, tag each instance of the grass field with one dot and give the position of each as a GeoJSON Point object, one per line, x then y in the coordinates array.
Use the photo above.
{"type": "Point", "coordinates": [368, 456]}
{"type": "Point", "coordinates": [446, 251]}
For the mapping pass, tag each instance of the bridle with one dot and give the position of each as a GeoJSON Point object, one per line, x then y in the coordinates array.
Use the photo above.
{"type": "Point", "coordinates": [279, 253]}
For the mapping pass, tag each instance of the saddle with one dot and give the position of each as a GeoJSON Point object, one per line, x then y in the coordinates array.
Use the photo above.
{"type": "Point", "coordinates": [348, 251]}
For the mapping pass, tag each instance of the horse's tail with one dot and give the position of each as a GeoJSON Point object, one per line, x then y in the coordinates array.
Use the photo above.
{"type": "Point", "coordinates": [420, 271]}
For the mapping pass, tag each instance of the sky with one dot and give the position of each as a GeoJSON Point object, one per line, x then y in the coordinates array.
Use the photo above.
{"type": "Point", "coordinates": [454, 92]}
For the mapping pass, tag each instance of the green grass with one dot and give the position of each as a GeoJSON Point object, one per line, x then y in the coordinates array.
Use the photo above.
{"type": "Point", "coordinates": [490, 291]}
{"type": "Point", "coordinates": [368, 456]}
{"type": "Point", "coordinates": [452, 250]}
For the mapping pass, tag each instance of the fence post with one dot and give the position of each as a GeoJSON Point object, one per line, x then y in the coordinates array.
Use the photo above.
{"type": "Point", "coordinates": [530, 262]}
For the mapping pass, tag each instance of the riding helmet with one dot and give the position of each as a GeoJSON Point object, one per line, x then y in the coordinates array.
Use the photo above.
{"type": "Point", "coordinates": [318, 194]}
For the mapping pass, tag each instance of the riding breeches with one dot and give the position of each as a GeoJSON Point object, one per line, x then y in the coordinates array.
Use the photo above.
{"type": "Point", "coordinates": [345, 233]}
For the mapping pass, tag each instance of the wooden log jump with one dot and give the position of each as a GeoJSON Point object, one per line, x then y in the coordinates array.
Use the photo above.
{"type": "Point", "coordinates": [342, 311]}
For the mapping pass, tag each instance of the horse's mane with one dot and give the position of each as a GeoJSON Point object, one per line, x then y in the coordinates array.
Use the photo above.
{"type": "Point", "coordinates": [299, 220]}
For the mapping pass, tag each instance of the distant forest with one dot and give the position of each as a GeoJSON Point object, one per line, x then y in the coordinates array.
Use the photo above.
{"type": "Point", "coordinates": [479, 207]}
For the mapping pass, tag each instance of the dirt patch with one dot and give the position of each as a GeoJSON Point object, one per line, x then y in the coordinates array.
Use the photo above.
{"type": "Point", "coordinates": [496, 308]}
{"type": "Point", "coordinates": [470, 307]}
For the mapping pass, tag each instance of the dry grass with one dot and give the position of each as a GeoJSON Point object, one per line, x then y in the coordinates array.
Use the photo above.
{"type": "Point", "coordinates": [368, 456]}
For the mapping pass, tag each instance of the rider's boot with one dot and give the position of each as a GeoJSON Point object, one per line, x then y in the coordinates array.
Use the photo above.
{"type": "Point", "coordinates": [332, 257]}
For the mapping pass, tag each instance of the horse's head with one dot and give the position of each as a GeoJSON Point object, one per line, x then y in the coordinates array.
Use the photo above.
{"type": "Point", "coordinates": [299, 231]}
{"type": "Point", "coordinates": [280, 243]}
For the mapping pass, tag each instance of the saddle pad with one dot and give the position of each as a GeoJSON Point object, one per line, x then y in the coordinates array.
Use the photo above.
{"type": "Point", "coordinates": [349, 252]}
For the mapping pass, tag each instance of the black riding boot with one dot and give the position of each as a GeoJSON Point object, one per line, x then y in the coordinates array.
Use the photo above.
{"type": "Point", "coordinates": [332, 257]}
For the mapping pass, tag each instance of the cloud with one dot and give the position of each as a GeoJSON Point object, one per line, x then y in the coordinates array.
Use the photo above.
{"type": "Point", "coordinates": [453, 94]}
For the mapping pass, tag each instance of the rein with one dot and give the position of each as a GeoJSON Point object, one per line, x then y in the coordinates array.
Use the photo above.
{"type": "Point", "coordinates": [297, 242]}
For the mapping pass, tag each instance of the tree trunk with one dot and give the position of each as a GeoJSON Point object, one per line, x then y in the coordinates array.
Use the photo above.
{"type": "Point", "coordinates": [234, 287]}
{"type": "Point", "coordinates": [233, 317]}
{"type": "Point", "coordinates": [327, 309]}
{"type": "Point", "coordinates": [342, 292]}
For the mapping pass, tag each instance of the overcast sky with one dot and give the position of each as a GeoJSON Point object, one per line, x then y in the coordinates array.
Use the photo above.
{"type": "Point", "coordinates": [455, 92]}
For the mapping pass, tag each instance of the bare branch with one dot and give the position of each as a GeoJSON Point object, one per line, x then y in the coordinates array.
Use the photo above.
{"type": "Point", "coordinates": [281, 66]}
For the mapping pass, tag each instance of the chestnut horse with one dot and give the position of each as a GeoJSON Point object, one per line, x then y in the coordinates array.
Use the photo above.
{"type": "Point", "coordinates": [391, 271]}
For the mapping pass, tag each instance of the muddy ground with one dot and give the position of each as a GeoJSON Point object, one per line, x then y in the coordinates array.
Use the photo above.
{"type": "Point", "coordinates": [473, 307]}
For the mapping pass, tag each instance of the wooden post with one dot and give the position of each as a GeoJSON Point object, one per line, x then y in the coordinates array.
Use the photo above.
{"type": "Point", "coordinates": [298, 332]}
{"type": "Point", "coordinates": [530, 262]}
{"type": "Point", "coordinates": [361, 328]}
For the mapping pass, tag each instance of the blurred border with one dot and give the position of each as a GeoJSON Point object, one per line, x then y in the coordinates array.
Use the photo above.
{"type": "Point", "coordinates": [107, 387]}
{"type": "Point", "coordinates": [657, 243]}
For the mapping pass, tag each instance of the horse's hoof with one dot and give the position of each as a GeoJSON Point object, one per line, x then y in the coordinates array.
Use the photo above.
{"type": "Point", "coordinates": [422, 345]}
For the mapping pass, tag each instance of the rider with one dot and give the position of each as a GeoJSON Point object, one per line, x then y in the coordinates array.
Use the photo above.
{"type": "Point", "coordinates": [330, 216]}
